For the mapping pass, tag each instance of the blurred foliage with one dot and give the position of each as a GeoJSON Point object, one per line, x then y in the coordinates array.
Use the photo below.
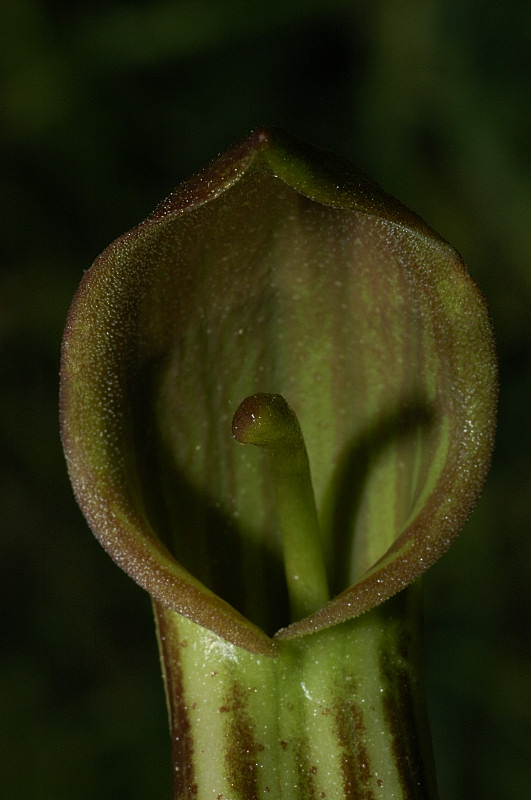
{"type": "Point", "coordinates": [104, 107]}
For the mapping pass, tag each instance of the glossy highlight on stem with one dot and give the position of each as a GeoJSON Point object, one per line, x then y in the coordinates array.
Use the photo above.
{"type": "Point", "coordinates": [267, 421]}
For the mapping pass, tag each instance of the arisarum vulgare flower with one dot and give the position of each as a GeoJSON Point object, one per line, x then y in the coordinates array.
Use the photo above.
{"type": "Point", "coordinates": [281, 299]}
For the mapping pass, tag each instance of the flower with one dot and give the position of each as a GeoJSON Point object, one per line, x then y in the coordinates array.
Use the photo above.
{"type": "Point", "coordinates": [281, 299]}
{"type": "Point", "coordinates": [278, 269]}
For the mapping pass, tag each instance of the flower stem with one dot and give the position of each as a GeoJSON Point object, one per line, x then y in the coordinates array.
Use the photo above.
{"type": "Point", "coordinates": [338, 714]}
{"type": "Point", "coordinates": [266, 420]}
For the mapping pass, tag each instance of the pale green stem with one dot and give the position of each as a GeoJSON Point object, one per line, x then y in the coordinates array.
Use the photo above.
{"type": "Point", "coordinates": [337, 714]}
{"type": "Point", "coordinates": [267, 421]}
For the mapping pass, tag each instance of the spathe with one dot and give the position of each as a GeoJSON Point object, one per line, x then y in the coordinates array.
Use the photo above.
{"type": "Point", "coordinates": [277, 269]}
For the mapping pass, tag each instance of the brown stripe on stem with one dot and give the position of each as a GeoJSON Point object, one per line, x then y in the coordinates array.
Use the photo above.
{"type": "Point", "coordinates": [184, 782]}
{"type": "Point", "coordinates": [355, 759]}
{"type": "Point", "coordinates": [306, 771]}
{"type": "Point", "coordinates": [401, 714]}
{"type": "Point", "coordinates": [242, 749]}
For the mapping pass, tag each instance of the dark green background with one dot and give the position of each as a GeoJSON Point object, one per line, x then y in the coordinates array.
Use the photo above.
{"type": "Point", "coordinates": [105, 107]}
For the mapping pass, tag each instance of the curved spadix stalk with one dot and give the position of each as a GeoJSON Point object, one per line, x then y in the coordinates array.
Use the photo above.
{"type": "Point", "coordinates": [267, 421]}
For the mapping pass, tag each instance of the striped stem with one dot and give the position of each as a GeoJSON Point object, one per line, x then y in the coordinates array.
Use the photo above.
{"type": "Point", "coordinates": [336, 714]}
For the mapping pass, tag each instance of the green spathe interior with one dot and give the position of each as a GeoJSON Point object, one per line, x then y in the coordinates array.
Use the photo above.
{"type": "Point", "coordinates": [267, 274]}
